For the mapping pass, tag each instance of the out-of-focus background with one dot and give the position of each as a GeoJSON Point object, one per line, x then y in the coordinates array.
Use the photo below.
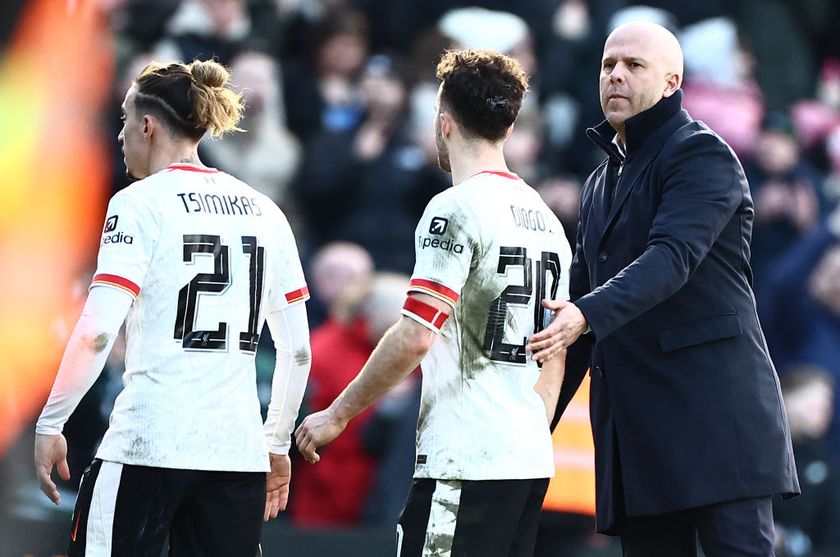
{"type": "Point", "coordinates": [340, 134]}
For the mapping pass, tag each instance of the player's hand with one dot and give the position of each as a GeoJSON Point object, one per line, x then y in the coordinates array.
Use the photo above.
{"type": "Point", "coordinates": [51, 450]}
{"type": "Point", "coordinates": [317, 430]}
{"type": "Point", "coordinates": [277, 485]}
{"type": "Point", "coordinates": [568, 324]}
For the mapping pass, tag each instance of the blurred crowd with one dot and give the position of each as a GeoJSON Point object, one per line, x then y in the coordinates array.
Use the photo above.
{"type": "Point", "coordinates": [339, 119]}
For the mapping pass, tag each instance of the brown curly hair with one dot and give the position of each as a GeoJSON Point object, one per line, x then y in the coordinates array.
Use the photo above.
{"type": "Point", "coordinates": [483, 89]}
{"type": "Point", "coordinates": [191, 99]}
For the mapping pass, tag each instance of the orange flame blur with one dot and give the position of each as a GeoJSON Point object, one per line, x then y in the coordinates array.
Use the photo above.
{"type": "Point", "coordinates": [54, 170]}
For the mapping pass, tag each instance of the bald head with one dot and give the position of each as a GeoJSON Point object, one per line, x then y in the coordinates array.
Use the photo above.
{"type": "Point", "coordinates": [655, 39]}
{"type": "Point", "coordinates": [642, 63]}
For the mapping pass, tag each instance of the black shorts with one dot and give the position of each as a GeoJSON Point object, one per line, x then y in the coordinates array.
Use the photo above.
{"type": "Point", "coordinates": [126, 510]}
{"type": "Point", "coordinates": [461, 518]}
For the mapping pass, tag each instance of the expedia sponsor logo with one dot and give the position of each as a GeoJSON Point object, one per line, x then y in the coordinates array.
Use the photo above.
{"type": "Point", "coordinates": [445, 245]}
{"type": "Point", "coordinates": [111, 224]}
{"type": "Point", "coordinates": [438, 226]}
{"type": "Point", "coordinates": [118, 238]}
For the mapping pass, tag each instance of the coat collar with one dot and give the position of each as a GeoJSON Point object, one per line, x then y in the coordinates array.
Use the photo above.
{"type": "Point", "coordinates": [638, 128]}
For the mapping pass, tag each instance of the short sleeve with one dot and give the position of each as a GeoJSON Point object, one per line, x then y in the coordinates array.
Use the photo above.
{"type": "Point", "coordinates": [129, 237]}
{"type": "Point", "coordinates": [288, 282]}
{"type": "Point", "coordinates": [446, 242]}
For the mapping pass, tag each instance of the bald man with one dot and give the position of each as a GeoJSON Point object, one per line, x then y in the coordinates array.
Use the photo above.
{"type": "Point", "coordinates": [690, 437]}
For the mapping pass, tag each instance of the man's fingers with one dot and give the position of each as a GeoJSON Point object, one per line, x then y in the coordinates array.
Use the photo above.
{"type": "Point", "coordinates": [543, 335]}
{"type": "Point", "coordinates": [267, 511]}
{"type": "Point", "coordinates": [48, 486]}
{"type": "Point", "coordinates": [63, 469]}
{"type": "Point", "coordinates": [535, 345]}
{"type": "Point", "coordinates": [548, 353]}
{"type": "Point", "coordinates": [283, 498]}
{"type": "Point", "coordinates": [554, 304]}
{"type": "Point", "coordinates": [307, 447]}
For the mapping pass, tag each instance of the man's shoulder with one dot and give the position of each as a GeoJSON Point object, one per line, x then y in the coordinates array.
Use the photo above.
{"type": "Point", "coordinates": [695, 140]}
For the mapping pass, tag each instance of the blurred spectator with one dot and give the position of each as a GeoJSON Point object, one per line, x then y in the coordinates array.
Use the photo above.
{"type": "Point", "coordinates": [328, 98]}
{"type": "Point", "coordinates": [267, 156]}
{"type": "Point", "coordinates": [809, 525]}
{"type": "Point", "coordinates": [523, 147]}
{"type": "Point", "coordinates": [799, 302]}
{"type": "Point", "coordinates": [719, 88]}
{"type": "Point", "coordinates": [139, 24]}
{"type": "Point", "coordinates": [362, 184]}
{"type": "Point", "coordinates": [777, 33]}
{"type": "Point", "coordinates": [786, 191]}
{"type": "Point", "coordinates": [568, 77]}
{"type": "Point", "coordinates": [562, 194]}
{"type": "Point", "coordinates": [205, 29]}
{"type": "Point", "coordinates": [816, 118]}
{"type": "Point", "coordinates": [335, 268]}
{"type": "Point", "coordinates": [332, 492]}
{"type": "Point", "coordinates": [818, 129]}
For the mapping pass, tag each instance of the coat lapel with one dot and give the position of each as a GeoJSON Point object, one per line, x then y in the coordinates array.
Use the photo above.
{"type": "Point", "coordinates": [638, 161]}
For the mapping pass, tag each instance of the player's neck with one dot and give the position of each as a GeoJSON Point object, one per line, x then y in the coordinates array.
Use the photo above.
{"type": "Point", "coordinates": [173, 153]}
{"type": "Point", "coordinates": [471, 160]}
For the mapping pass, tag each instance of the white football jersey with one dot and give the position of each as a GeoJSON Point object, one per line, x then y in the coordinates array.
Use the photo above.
{"type": "Point", "coordinates": [207, 257]}
{"type": "Point", "coordinates": [492, 249]}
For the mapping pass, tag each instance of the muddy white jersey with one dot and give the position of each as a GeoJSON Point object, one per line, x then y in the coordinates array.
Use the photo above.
{"type": "Point", "coordinates": [492, 250]}
{"type": "Point", "coordinates": [206, 257]}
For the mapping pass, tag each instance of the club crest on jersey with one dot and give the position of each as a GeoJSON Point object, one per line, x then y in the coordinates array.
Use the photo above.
{"type": "Point", "coordinates": [111, 224]}
{"type": "Point", "coordinates": [438, 226]}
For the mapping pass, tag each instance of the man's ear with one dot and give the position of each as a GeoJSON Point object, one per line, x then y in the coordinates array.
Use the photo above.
{"type": "Point", "coordinates": [148, 126]}
{"type": "Point", "coordinates": [672, 83]}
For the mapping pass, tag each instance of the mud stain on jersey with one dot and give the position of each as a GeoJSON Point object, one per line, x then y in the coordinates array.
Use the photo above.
{"type": "Point", "coordinates": [139, 449]}
{"type": "Point", "coordinates": [100, 342]}
{"type": "Point", "coordinates": [302, 357]}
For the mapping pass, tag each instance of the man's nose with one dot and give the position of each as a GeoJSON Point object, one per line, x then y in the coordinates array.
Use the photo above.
{"type": "Point", "coordinates": [617, 75]}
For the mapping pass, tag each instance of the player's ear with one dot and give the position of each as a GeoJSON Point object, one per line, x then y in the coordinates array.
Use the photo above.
{"type": "Point", "coordinates": [508, 132]}
{"type": "Point", "coordinates": [148, 126]}
{"type": "Point", "coordinates": [445, 124]}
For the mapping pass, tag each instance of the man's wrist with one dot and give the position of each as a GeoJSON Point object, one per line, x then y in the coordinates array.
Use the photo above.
{"type": "Point", "coordinates": [338, 412]}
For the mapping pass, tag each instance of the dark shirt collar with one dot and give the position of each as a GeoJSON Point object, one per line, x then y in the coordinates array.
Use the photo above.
{"type": "Point", "coordinates": [638, 128]}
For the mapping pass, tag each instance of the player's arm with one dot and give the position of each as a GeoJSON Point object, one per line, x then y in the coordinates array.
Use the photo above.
{"type": "Point", "coordinates": [398, 353]}
{"type": "Point", "coordinates": [290, 332]}
{"type": "Point", "coordinates": [550, 382]}
{"type": "Point", "coordinates": [83, 360]}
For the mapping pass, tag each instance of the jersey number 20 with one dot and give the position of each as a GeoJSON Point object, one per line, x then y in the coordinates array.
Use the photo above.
{"type": "Point", "coordinates": [519, 295]}
{"type": "Point", "coordinates": [216, 283]}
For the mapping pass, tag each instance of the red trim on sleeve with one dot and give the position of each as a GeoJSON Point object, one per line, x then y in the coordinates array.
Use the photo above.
{"type": "Point", "coordinates": [118, 281]}
{"type": "Point", "coordinates": [191, 168]}
{"type": "Point", "coordinates": [434, 288]}
{"type": "Point", "coordinates": [426, 312]}
{"type": "Point", "coordinates": [297, 295]}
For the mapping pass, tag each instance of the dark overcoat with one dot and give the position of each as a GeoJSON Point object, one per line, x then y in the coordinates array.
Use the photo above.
{"type": "Point", "coordinates": [685, 403]}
